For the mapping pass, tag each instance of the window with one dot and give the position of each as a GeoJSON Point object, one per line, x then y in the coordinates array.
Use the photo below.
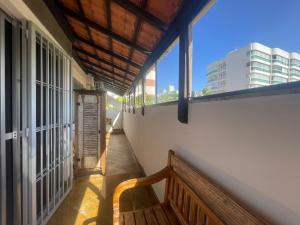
{"type": "Point", "coordinates": [260, 67]}
{"type": "Point", "coordinates": [234, 50]}
{"type": "Point", "coordinates": [138, 94]}
{"type": "Point", "coordinates": [131, 100]}
{"type": "Point", "coordinates": [280, 59]}
{"type": "Point", "coordinates": [167, 75]}
{"type": "Point", "coordinates": [150, 86]}
{"type": "Point", "coordinates": [295, 62]}
{"type": "Point", "coordinates": [260, 55]}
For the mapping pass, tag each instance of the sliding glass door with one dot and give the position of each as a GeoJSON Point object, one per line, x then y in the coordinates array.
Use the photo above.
{"type": "Point", "coordinates": [13, 143]}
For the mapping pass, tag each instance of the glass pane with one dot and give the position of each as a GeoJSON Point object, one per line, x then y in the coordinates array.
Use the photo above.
{"type": "Point", "coordinates": [44, 150]}
{"type": "Point", "coordinates": [150, 87]}
{"type": "Point", "coordinates": [8, 78]}
{"type": "Point", "coordinates": [138, 94]}
{"type": "Point", "coordinates": [45, 193]}
{"type": "Point", "coordinates": [38, 58]}
{"type": "Point", "coordinates": [38, 153]}
{"type": "Point", "coordinates": [9, 180]}
{"type": "Point", "coordinates": [234, 49]}
{"type": "Point", "coordinates": [167, 75]}
{"type": "Point", "coordinates": [38, 199]}
{"type": "Point", "coordinates": [44, 54]}
{"type": "Point", "coordinates": [44, 105]}
{"type": "Point", "coordinates": [38, 105]}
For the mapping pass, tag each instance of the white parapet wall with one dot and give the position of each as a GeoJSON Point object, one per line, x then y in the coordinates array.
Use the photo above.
{"type": "Point", "coordinates": [114, 113]}
{"type": "Point", "coordinates": [249, 146]}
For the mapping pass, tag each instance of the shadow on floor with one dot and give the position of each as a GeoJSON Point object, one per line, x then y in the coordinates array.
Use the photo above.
{"type": "Point", "coordinates": [90, 200]}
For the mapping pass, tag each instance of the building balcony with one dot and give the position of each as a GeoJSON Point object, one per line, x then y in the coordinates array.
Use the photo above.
{"type": "Point", "coordinates": [260, 59]}
{"type": "Point", "coordinates": [279, 63]}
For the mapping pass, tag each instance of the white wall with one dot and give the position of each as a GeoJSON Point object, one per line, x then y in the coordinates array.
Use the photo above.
{"type": "Point", "coordinates": [249, 146]}
{"type": "Point", "coordinates": [114, 112]}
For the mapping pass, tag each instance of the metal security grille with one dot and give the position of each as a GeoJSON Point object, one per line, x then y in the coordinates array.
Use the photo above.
{"type": "Point", "coordinates": [90, 129]}
{"type": "Point", "coordinates": [50, 126]}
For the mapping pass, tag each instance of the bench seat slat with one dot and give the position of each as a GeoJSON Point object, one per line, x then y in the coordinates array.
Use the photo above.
{"type": "Point", "coordinates": [140, 218]}
{"type": "Point", "coordinates": [160, 214]}
{"type": "Point", "coordinates": [129, 219]}
{"type": "Point", "coordinates": [150, 217]}
{"type": "Point", "coordinates": [170, 214]}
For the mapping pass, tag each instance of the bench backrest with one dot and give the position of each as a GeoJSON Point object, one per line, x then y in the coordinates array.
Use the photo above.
{"type": "Point", "coordinates": [197, 201]}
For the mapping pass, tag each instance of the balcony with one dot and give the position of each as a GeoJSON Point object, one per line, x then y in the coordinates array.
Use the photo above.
{"type": "Point", "coordinates": [87, 123]}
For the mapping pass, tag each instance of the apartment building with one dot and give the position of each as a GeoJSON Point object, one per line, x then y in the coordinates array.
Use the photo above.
{"type": "Point", "coordinates": [150, 82]}
{"type": "Point", "coordinates": [255, 65]}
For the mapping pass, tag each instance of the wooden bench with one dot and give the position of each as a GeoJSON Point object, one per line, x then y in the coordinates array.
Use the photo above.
{"type": "Point", "coordinates": [190, 199]}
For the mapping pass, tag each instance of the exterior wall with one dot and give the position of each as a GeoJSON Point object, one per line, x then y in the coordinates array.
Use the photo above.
{"type": "Point", "coordinates": [249, 146]}
{"type": "Point", "coordinates": [237, 72]}
{"type": "Point", "coordinates": [80, 76]}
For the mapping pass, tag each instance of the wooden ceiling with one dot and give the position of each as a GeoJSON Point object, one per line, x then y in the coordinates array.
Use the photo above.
{"type": "Point", "coordinates": [114, 39]}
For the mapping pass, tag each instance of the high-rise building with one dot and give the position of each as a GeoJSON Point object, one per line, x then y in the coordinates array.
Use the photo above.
{"type": "Point", "coordinates": [255, 65]}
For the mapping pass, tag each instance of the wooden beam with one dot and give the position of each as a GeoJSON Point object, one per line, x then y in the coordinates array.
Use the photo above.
{"type": "Point", "coordinates": [108, 15]}
{"type": "Point", "coordinates": [107, 63]}
{"type": "Point", "coordinates": [143, 14]}
{"type": "Point", "coordinates": [88, 92]}
{"type": "Point", "coordinates": [136, 31]}
{"type": "Point", "coordinates": [112, 73]}
{"type": "Point", "coordinates": [109, 52]}
{"type": "Point", "coordinates": [109, 82]}
{"type": "Point", "coordinates": [99, 74]}
{"type": "Point", "coordinates": [103, 30]}
{"type": "Point", "coordinates": [106, 70]}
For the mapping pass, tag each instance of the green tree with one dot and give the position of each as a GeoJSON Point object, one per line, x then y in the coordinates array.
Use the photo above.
{"type": "Point", "coordinates": [205, 91]}
{"type": "Point", "coordinates": [149, 99]}
{"type": "Point", "coordinates": [120, 99]}
{"type": "Point", "coordinates": [168, 96]}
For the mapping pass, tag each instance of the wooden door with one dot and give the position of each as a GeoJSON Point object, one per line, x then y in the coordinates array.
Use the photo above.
{"type": "Point", "coordinates": [89, 131]}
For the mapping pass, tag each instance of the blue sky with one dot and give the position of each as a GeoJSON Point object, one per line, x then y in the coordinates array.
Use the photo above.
{"type": "Point", "coordinates": [232, 24]}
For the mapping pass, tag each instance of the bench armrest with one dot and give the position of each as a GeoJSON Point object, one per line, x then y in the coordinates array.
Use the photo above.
{"type": "Point", "coordinates": [136, 182]}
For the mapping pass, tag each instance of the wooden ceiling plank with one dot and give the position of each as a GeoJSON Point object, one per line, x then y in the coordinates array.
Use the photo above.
{"type": "Point", "coordinates": [103, 30]}
{"type": "Point", "coordinates": [120, 90]}
{"type": "Point", "coordinates": [109, 71]}
{"type": "Point", "coordinates": [109, 52]}
{"type": "Point", "coordinates": [103, 77]}
{"type": "Point", "coordinates": [101, 60]}
{"type": "Point", "coordinates": [142, 13]}
{"type": "Point", "coordinates": [108, 11]}
{"type": "Point", "coordinates": [136, 32]}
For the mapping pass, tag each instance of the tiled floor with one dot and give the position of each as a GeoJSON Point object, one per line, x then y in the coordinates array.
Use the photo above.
{"type": "Point", "coordinates": [90, 201]}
